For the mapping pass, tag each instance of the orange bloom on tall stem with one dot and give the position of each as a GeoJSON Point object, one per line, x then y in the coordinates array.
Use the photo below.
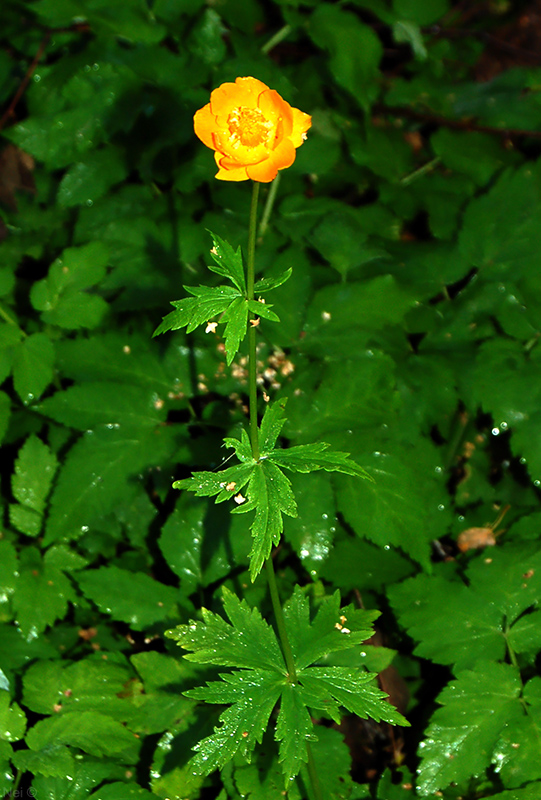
{"type": "Point", "coordinates": [253, 131]}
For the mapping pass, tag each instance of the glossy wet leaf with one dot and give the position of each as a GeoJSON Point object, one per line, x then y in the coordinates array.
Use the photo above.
{"type": "Point", "coordinates": [252, 691]}
{"type": "Point", "coordinates": [33, 367]}
{"type": "Point", "coordinates": [85, 776]}
{"type": "Point", "coordinates": [12, 719]}
{"type": "Point", "coordinates": [39, 577]}
{"type": "Point", "coordinates": [387, 511]}
{"type": "Point", "coordinates": [61, 297]}
{"type": "Point", "coordinates": [465, 630]}
{"type": "Point", "coordinates": [96, 474]}
{"type": "Point", "coordinates": [105, 403]}
{"type": "Point", "coordinates": [130, 597]}
{"type": "Point", "coordinates": [90, 731]}
{"type": "Point", "coordinates": [35, 468]}
{"type": "Point", "coordinates": [462, 735]}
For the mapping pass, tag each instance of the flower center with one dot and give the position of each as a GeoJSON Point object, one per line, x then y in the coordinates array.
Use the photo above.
{"type": "Point", "coordinates": [248, 127]}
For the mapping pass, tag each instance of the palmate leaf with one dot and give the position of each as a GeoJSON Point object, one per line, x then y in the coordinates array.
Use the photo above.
{"type": "Point", "coordinates": [252, 691]}
{"type": "Point", "coordinates": [312, 457]}
{"type": "Point", "coordinates": [312, 641]}
{"type": "Point", "coordinates": [480, 620]}
{"type": "Point", "coordinates": [252, 694]}
{"type": "Point", "coordinates": [462, 736]}
{"type": "Point", "coordinates": [212, 301]}
{"type": "Point", "coordinates": [206, 303]}
{"type": "Point", "coordinates": [303, 457]}
{"type": "Point", "coordinates": [268, 490]}
{"type": "Point", "coordinates": [270, 494]}
{"type": "Point", "coordinates": [247, 641]}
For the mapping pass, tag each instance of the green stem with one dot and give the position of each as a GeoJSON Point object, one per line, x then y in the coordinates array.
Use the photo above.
{"type": "Point", "coordinates": [280, 621]}
{"type": "Point", "coordinates": [312, 774]}
{"type": "Point", "coordinates": [278, 37]}
{"type": "Point", "coordinates": [8, 318]}
{"type": "Point", "coordinates": [254, 439]}
{"type": "Point", "coordinates": [267, 211]}
{"type": "Point", "coordinates": [252, 350]}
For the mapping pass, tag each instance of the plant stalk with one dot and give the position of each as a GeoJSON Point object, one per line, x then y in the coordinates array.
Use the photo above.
{"type": "Point", "coordinates": [254, 439]}
{"type": "Point", "coordinates": [252, 350]}
{"type": "Point", "coordinates": [280, 621]}
{"type": "Point", "coordinates": [312, 774]}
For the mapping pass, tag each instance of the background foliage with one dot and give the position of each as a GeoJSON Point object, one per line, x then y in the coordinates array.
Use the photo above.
{"type": "Point", "coordinates": [408, 338]}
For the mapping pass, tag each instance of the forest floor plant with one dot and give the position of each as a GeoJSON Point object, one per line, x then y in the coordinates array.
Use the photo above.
{"type": "Point", "coordinates": [254, 133]}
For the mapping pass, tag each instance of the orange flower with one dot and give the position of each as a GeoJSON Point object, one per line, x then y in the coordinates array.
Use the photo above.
{"type": "Point", "coordinates": [252, 129]}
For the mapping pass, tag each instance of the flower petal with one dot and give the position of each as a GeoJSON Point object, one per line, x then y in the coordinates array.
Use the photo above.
{"type": "Point", "coordinates": [238, 152]}
{"type": "Point", "coordinates": [229, 172]}
{"type": "Point", "coordinates": [301, 123]}
{"type": "Point", "coordinates": [266, 171]}
{"type": "Point", "coordinates": [253, 131]}
{"type": "Point", "coordinates": [244, 92]}
{"type": "Point", "coordinates": [275, 108]}
{"type": "Point", "coordinates": [204, 124]}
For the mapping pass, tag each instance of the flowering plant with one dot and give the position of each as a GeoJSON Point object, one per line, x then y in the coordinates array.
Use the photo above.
{"type": "Point", "coordinates": [252, 129]}
{"type": "Point", "coordinates": [255, 133]}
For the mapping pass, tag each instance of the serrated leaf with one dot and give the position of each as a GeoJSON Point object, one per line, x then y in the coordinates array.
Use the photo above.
{"type": "Point", "coordinates": [131, 597]}
{"type": "Point", "coordinates": [294, 728]}
{"type": "Point", "coordinates": [211, 484]}
{"type": "Point", "coordinates": [462, 735]}
{"type": "Point", "coordinates": [312, 457]}
{"type": "Point", "coordinates": [236, 326]}
{"type": "Point", "coordinates": [388, 511]}
{"type": "Point", "coordinates": [12, 719]}
{"type": "Point", "coordinates": [228, 262]}
{"type": "Point", "coordinates": [120, 357]}
{"type": "Point", "coordinates": [90, 179]}
{"type": "Point", "coordinates": [39, 578]}
{"type": "Point", "coordinates": [92, 684]}
{"type": "Point", "coordinates": [60, 296]}
{"type": "Point", "coordinates": [97, 476]}
{"type": "Point", "coordinates": [355, 690]}
{"type": "Point", "coordinates": [269, 493]}
{"type": "Point", "coordinates": [250, 643]}
{"type": "Point", "coordinates": [89, 405]}
{"type": "Point", "coordinates": [262, 310]}
{"type": "Point", "coordinates": [76, 784]}
{"type": "Point", "coordinates": [517, 754]}
{"type": "Point", "coordinates": [313, 640]}
{"type": "Point", "coordinates": [476, 620]}
{"type": "Point", "coordinates": [191, 312]}
{"type": "Point", "coordinates": [55, 760]}
{"type": "Point", "coordinates": [271, 425]}
{"type": "Point", "coordinates": [91, 731]}
{"type": "Point", "coordinates": [460, 631]}
{"type": "Point", "coordinates": [33, 366]}
{"type": "Point", "coordinates": [253, 694]}
{"type": "Point", "coordinates": [247, 642]}
{"type": "Point", "coordinates": [35, 468]}
{"type": "Point", "coordinates": [266, 284]}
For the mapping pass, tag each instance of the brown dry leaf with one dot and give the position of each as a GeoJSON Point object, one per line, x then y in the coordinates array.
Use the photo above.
{"type": "Point", "coordinates": [16, 168]}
